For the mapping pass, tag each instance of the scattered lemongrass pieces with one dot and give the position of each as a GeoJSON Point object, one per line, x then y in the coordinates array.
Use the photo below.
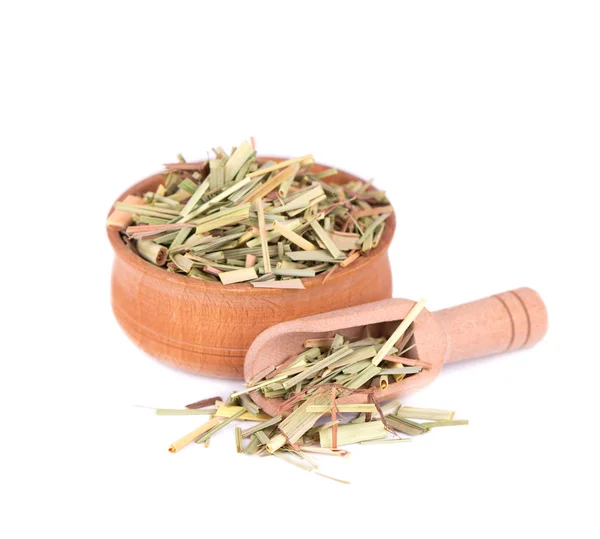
{"type": "Point", "coordinates": [405, 426]}
{"type": "Point", "coordinates": [208, 434]}
{"type": "Point", "coordinates": [191, 436]}
{"type": "Point", "coordinates": [352, 433]}
{"type": "Point", "coordinates": [231, 411]}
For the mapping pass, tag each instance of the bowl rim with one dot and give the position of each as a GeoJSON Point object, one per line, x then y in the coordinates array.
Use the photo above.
{"type": "Point", "coordinates": [127, 255]}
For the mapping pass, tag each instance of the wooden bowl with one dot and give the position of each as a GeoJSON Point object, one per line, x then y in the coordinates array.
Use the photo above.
{"type": "Point", "coordinates": [205, 327]}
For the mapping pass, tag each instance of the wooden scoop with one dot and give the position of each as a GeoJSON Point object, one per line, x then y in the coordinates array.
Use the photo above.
{"type": "Point", "coordinates": [500, 323]}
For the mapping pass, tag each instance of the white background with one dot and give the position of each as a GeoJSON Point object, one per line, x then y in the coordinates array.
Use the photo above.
{"type": "Point", "coordinates": [480, 119]}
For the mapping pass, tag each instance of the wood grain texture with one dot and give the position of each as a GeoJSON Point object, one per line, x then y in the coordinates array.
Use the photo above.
{"type": "Point", "coordinates": [205, 327]}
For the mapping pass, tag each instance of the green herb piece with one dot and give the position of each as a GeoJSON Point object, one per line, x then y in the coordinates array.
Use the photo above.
{"type": "Point", "coordinates": [262, 426]}
{"type": "Point", "coordinates": [353, 433]}
{"type": "Point", "coordinates": [397, 334]}
{"type": "Point", "coordinates": [152, 252]}
{"type": "Point", "coordinates": [445, 423]}
{"type": "Point", "coordinates": [238, 276]}
{"type": "Point", "coordinates": [219, 426]}
{"type": "Point", "coordinates": [238, 440]}
{"type": "Point", "coordinates": [409, 412]}
{"type": "Point", "coordinates": [405, 426]}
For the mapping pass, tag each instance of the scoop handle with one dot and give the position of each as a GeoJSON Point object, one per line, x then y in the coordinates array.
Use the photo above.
{"type": "Point", "coordinates": [503, 322]}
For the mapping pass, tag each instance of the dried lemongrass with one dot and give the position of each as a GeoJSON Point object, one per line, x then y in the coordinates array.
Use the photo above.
{"type": "Point", "coordinates": [120, 219]}
{"type": "Point", "coordinates": [231, 411]}
{"type": "Point", "coordinates": [354, 433]}
{"type": "Point", "coordinates": [445, 423]}
{"type": "Point", "coordinates": [313, 384]}
{"type": "Point", "coordinates": [152, 252]}
{"type": "Point", "coordinates": [397, 334]}
{"type": "Point", "coordinates": [410, 412]}
{"type": "Point", "coordinates": [234, 208]}
{"type": "Point", "coordinates": [191, 436]}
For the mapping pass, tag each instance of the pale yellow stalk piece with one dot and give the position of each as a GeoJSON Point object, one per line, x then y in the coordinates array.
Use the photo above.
{"type": "Point", "coordinates": [263, 234]}
{"type": "Point", "coordinates": [445, 423]}
{"type": "Point", "coordinates": [389, 344]}
{"type": "Point", "coordinates": [409, 412]}
{"type": "Point", "coordinates": [259, 385]}
{"type": "Point", "coordinates": [293, 237]}
{"type": "Point", "coordinates": [238, 276]}
{"type": "Point", "coordinates": [229, 411]}
{"type": "Point", "coordinates": [272, 183]}
{"type": "Point", "coordinates": [352, 433]}
{"type": "Point", "coordinates": [250, 261]}
{"type": "Point", "coordinates": [191, 436]}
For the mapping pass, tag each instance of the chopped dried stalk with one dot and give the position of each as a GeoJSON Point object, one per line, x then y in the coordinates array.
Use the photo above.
{"type": "Point", "coordinates": [409, 412]}
{"type": "Point", "coordinates": [152, 252]}
{"type": "Point", "coordinates": [410, 317]}
{"type": "Point", "coordinates": [231, 411]}
{"type": "Point", "coordinates": [326, 239]}
{"type": "Point", "coordinates": [402, 370]}
{"type": "Point", "coordinates": [219, 426]}
{"type": "Point", "coordinates": [320, 343]}
{"type": "Point", "coordinates": [238, 276]}
{"type": "Point", "coordinates": [405, 426]}
{"type": "Point", "coordinates": [293, 237]}
{"type": "Point", "coordinates": [238, 440]}
{"type": "Point", "coordinates": [262, 426]}
{"type": "Point", "coordinates": [354, 433]}
{"type": "Point", "coordinates": [191, 436]}
{"type": "Point", "coordinates": [120, 219]}
{"type": "Point", "coordinates": [263, 235]}
{"type": "Point", "coordinates": [249, 404]}
{"type": "Point", "coordinates": [202, 403]}
{"type": "Point", "coordinates": [445, 423]}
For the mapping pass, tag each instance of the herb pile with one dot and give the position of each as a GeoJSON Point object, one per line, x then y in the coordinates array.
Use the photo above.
{"type": "Point", "coordinates": [312, 385]}
{"type": "Point", "coordinates": [236, 219]}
